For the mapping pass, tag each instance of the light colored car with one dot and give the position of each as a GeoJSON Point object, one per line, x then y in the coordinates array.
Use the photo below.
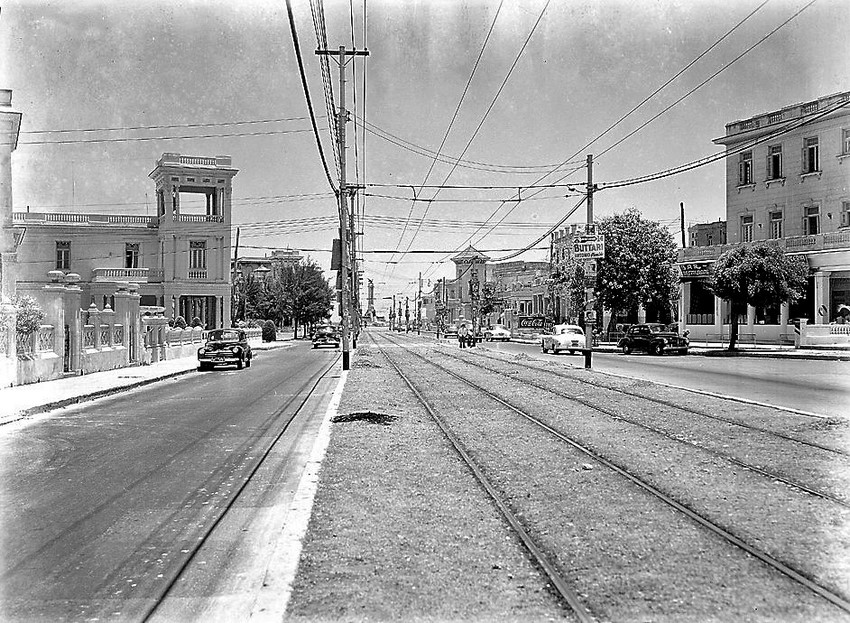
{"type": "Point", "coordinates": [564, 337]}
{"type": "Point", "coordinates": [497, 332]}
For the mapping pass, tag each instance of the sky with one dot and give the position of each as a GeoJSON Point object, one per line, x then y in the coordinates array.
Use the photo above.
{"type": "Point", "coordinates": [106, 87]}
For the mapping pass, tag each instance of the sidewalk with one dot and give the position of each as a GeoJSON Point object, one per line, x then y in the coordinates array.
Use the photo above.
{"type": "Point", "coordinates": [24, 400]}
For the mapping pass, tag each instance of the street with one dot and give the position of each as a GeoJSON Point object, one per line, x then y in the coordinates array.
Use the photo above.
{"type": "Point", "coordinates": [105, 504]}
{"type": "Point", "coordinates": [815, 386]}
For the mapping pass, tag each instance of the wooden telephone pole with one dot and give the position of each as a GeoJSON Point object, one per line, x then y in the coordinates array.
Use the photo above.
{"type": "Point", "coordinates": [344, 229]}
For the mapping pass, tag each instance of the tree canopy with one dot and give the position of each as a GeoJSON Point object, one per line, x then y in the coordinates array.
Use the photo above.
{"type": "Point", "coordinates": [760, 275]}
{"type": "Point", "coordinates": [639, 264]}
{"type": "Point", "coordinates": [303, 293]}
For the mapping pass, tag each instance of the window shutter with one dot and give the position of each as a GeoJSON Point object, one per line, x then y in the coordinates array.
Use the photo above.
{"type": "Point", "coordinates": [803, 160]}
{"type": "Point", "coordinates": [767, 175]}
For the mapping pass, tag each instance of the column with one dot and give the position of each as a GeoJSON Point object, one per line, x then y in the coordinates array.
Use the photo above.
{"type": "Point", "coordinates": [718, 316]}
{"type": "Point", "coordinates": [684, 305]}
{"type": "Point", "coordinates": [73, 321]}
{"type": "Point", "coordinates": [823, 314]}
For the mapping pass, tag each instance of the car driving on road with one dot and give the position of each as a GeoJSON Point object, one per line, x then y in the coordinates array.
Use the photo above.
{"type": "Point", "coordinates": [654, 338]}
{"type": "Point", "coordinates": [564, 337]}
{"type": "Point", "coordinates": [497, 332]}
{"type": "Point", "coordinates": [225, 347]}
{"type": "Point", "coordinates": [326, 335]}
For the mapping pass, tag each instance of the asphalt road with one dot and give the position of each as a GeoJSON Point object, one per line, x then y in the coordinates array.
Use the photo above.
{"type": "Point", "coordinates": [104, 503]}
{"type": "Point", "coordinates": [814, 386]}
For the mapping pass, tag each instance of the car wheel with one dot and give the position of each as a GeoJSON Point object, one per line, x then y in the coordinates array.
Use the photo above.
{"type": "Point", "coordinates": [543, 346]}
{"type": "Point", "coordinates": [240, 363]}
{"type": "Point", "coordinates": [248, 362]}
{"type": "Point", "coordinates": [627, 350]}
{"type": "Point", "coordinates": [202, 367]}
{"type": "Point", "coordinates": [656, 349]}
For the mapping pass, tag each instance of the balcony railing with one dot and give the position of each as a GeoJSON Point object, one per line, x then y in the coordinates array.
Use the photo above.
{"type": "Point", "coordinates": [838, 240]}
{"type": "Point", "coordinates": [198, 274]}
{"type": "Point", "coordinates": [137, 275]}
{"type": "Point", "coordinates": [122, 220]}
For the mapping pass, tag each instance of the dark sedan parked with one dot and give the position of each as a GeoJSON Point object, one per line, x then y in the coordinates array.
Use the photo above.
{"type": "Point", "coordinates": [654, 338]}
{"type": "Point", "coordinates": [225, 347]}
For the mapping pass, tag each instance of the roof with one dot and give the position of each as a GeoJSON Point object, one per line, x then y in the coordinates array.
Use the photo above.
{"type": "Point", "coordinates": [470, 254]}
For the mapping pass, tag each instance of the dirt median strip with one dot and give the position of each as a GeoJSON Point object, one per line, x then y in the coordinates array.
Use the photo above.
{"type": "Point", "coordinates": [399, 529]}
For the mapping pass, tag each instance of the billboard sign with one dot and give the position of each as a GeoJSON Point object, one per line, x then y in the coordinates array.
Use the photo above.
{"type": "Point", "coordinates": [696, 270]}
{"type": "Point", "coordinates": [589, 247]}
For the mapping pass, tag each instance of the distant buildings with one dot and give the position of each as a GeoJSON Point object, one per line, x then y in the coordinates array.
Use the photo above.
{"type": "Point", "coordinates": [787, 182]}
{"type": "Point", "coordinates": [707, 234]}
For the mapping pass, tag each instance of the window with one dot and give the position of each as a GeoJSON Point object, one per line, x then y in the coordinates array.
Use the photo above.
{"type": "Point", "coordinates": [845, 142]}
{"type": "Point", "coordinates": [63, 255]}
{"type": "Point", "coordinates": [774, 162]}
{"type": "Point", "coordinates": [131, 255]}
{"type": "Point", "coordinates": [811, 220]}
{"type": "Point", "coordinates": [745, 168]}
{"type": "Point", "coordinates": [747, 228]}
{"type": "Point", "coordinates": [811, 161]}
{"type": "Point", "coordinates": [197, 255]}
{"type": "Point", "coordinates": [845, 214]}
{"type": "Point", "coordinates": [709, 239]}
{"type": "Point", "coordinates": [776, 225]}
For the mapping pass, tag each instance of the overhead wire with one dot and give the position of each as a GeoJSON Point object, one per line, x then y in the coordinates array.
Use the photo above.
{"type": "Point", "coordinates": [492, 104]}
{"type": "Point", "coordinates": [454, 117]}
{"type": "Point", "coordinates": [306, 89]}
{"type": "Point", "coordinates": [655, 93]}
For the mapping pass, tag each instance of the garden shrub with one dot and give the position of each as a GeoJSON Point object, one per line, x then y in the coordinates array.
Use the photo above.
{"type": "Point", "coordinates": [180, 322]}
{"type": "Point", "coordinates": [29, 315]}
{"type": "Point", "coordinates": [269, 331]}
{"type": "Point", "coordinates": [196, 322]}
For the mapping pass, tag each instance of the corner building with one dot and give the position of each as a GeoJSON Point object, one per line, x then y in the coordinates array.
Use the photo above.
{"type": "Point", "coordinates": [787, 182]}
{"type": "Point", "coordinates": [179, 258]}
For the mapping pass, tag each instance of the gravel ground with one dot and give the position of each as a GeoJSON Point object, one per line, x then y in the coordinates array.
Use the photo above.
{"type": "Point", "coordinates": [401, 532]}
{"type": "Point", "coordinates": [399, 529]}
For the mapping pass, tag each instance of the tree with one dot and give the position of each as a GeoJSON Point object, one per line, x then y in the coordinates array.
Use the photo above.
{"type": "Point", "coordinates": [489, 299]}
{"type": "Point", "coordinates": [760, 275]}
{"type": "Point", "coordinates": [303, 293]}
{"type": "Point", "coordinates": [639, 265]}
{"type": "Point", "coordinates": [29, 315]}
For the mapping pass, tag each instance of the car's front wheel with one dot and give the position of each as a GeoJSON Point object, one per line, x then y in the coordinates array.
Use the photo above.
{"type": "Point", "coordinates": [627, 350]}
{"type": "Point", "coordinates": [656, 349]}
{"type": "Point", "coordinates": [203, 366]}
{"type": "Point", "coordinates": [543, 346]}
{"type": "Point", "coordinates": [240, 363]}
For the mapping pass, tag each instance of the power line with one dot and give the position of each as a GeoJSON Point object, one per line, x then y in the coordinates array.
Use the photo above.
{"type": "Point", "coordinates": [159, 138]}
{"type": "Point", "coordinates": [306, 89]}
{"type": "Point", "coordinates": [165, 127]}
{"type": "Point", "coordinates": [704, 82]}
{"type": "Point", "coordinates": [667, 108]}
{"type": "Point", "coordinates": [462, 163]}
{"type": "Point", "coordinates": [452, 121]}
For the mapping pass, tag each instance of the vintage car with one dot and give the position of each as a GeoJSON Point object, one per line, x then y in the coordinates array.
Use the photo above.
{"type": "Point", "coordinates": [654, 338]}
{"type": "Point", "coordinates": [497, 332]}
{"type": "Point", "coordinates": [564, 337]}
{"type": "Point", "coordinates": [326, 335]}
{"type": "Point", "coordinates": [225, 347]}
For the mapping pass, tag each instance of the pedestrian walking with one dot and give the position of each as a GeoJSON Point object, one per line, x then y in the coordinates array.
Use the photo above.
{"type": "Point", "coordinates": [462, 335]}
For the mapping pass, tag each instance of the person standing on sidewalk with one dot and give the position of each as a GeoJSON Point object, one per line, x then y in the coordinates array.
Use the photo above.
{"type": "Point", "coordinates": [462, 335]}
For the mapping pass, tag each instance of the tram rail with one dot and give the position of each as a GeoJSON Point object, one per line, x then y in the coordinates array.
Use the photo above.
{"type": "Point", "coordinates": [800, 576]}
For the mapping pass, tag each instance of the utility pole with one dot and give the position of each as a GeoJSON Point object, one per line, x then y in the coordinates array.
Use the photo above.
{"type": "Point", "coordinates": [588, 289]}
{"type": "Point", "coordinates": [419, 307]}
{"type": "Point", "coordinates": [681, 220]}
{"type": "Point", "coordinates": [342, 119]}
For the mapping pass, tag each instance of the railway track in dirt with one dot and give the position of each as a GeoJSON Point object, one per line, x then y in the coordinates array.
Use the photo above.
{"type": "Point", "coordinates": [653, 531]}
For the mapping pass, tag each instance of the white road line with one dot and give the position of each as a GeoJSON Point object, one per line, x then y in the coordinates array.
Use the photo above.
{"type": "Point", "coordinates": [276, 590]}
